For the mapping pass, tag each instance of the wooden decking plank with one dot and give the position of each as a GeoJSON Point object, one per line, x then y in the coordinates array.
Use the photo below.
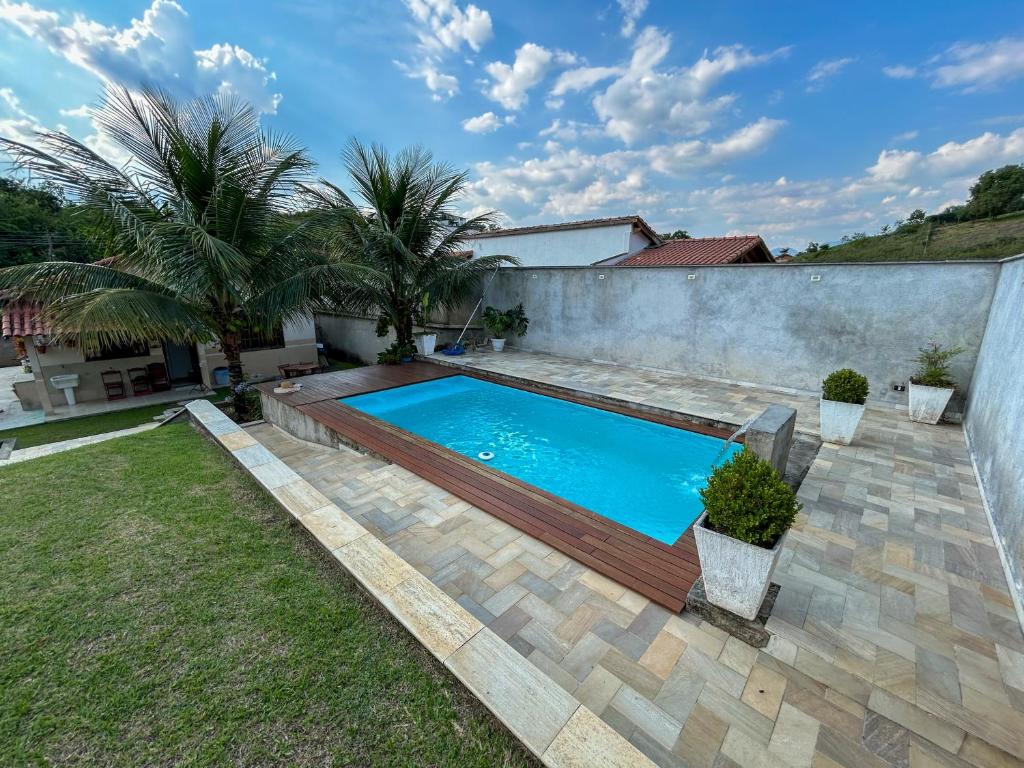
{"type": "Point", "coordinates": [637, 572]}
{"type": "Point", "coordinates": [663, 573]}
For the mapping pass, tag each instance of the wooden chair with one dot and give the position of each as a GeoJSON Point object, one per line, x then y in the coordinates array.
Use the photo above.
{"type": "Point", "coordinates": [158, 378]}
{"type": "Point", "coordinates": [113, 384]}
{"type": "Point", "coordinates": [139, 379]}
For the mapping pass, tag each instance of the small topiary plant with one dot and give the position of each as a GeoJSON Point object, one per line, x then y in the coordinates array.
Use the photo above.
{"type": "Point", "coordinates": [746, 499]}
{"type": "Point", "coordinates": [845, 386]}
{"type": "Point", "coordinates": [933, 366]}
{"type": "Point", "coordinates": [500, 322]}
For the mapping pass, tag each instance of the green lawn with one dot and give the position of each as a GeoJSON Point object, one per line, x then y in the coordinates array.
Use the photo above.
{"type": "Point", "coordinates": [68, 429]}
{"type": "Point", "coordinates": [157, 608]}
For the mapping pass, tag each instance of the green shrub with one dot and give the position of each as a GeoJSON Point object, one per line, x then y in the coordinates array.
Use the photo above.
{"type": "Point", "coordinates": [933, 365]}
{"type": "Point", "coordinates": [393, 355]}
{"type": "Point", "coordinates": [845, 386]}
{"type": "Point", "coordinates": [746, 499]}
{"type": "Point", "coordinates": [500, 322]}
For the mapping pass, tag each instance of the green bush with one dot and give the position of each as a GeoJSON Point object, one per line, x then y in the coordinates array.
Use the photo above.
{"type": "Point", "coordinates": [393, 355]}
{"type": "Point", "coordinates": [746, 499]}
{"type": "Point", "coordinates": [499, 322]}
{"type": "Point", "coordinates": [845, 386]}
{"type": "Point", "coordinates": [933, 365]}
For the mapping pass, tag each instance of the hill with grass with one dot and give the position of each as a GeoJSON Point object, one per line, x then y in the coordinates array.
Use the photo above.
{"type": "Point", "coordinates": [932, 240]}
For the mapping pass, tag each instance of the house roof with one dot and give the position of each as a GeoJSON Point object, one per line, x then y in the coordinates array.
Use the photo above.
{"type": "Point", "coordinates": [23, 319]}
{"type": "Point", "coordinates": [635, 221]}
{"type": "Point", "coordinates": [701, 250]}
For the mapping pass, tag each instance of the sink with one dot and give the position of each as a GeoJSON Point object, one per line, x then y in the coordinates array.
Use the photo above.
{"type": "Point", "coordinates": [66, 382]}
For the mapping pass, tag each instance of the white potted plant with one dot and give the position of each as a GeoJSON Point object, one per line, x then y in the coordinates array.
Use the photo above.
{"type": "Point", "coordinates": [843, 393]}
{"type": "Point", "coordinates": [747, 511]}
{"type": "Point", "coordinates": [425, 341]}
{"type": "Point", "coordinates": [931, 386]}
{"type": "Point", "coordinates": [501, 323]}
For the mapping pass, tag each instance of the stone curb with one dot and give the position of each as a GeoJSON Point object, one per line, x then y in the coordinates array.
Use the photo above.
{"type": "Point", "coordinates": [549, 721]}
{"type": "Point", "coordinates": [38, 451]}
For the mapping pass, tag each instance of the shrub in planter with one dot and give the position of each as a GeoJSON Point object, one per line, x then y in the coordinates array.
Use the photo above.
{"type": "Point", "coordinates": [747, 511]}
{"type": "Point", "coordinates": [843, 394]}
{"type": "Point", "coordinates": [500, 323]}
{"type": "Point", "coordinates": [931, 386]}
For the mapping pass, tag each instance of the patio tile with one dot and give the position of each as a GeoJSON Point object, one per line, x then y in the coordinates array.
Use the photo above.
{"type": "Point", "coordinates": [432, 617]}
{"type": "Point", "coordinates": [764, 691]}
{"type": "Point", "coordinates": [587, 741]}
{"type": "Point", "coordinates": [892, 593]}
{"type": "Point", "coordinates": [375, 566]}
{"type": "Point", "coordinates": [513, 689]}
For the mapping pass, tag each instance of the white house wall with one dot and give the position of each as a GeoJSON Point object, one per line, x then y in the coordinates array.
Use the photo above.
{"type": "Point", "coordinates": [562, 247]}
{"type": "Point", "coordinates": [299, 347]}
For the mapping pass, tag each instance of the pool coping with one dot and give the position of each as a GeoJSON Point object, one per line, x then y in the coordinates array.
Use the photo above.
{"type": "Point", "coordinates": [550, 722]}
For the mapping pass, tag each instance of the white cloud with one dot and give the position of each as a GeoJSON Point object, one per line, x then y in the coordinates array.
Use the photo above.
{"type": "Point", "coordinates": [824, 71]}
{"type": "Point", "coordinates": [440, 85]}
{"type": "Point", "coordinates": [905, 136]}
{"type": "Point", "coordinates": [645, 100]}
{"type": "Point", "coordinates": [82, 111]}
{"type": "Point", "coordinates": [582, 78]}
{"type": "Point", "coordinates": [980, 65]}
{"type": "Point", "coordinates": [444, 25]}
{"type": "Point", "coordinates": [686, 156]}
{"type": "Point", "coordinates": [632, 10]}
{"type": "Point", "coordinates": [157, 49]}
{"type": "Point", "coordinates": [488, 122]}
{"type": "Point", "coordinates": [984, 151]}
{"type": "Point", "coordinates": [510, 83]}
{"type": "Point", "coordinates": [571, 130]}
{"type": "Point", "coordinates": [900, 72]}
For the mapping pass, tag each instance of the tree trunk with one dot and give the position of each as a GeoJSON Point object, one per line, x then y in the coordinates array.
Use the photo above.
{"type": "Point", "coordinates": [231, 346]}
{"type": "Point", "coordinates": [403, 328]}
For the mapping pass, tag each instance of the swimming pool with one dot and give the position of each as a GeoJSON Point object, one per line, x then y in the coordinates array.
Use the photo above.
{"type": "Point", "coordinates": [638, 473]}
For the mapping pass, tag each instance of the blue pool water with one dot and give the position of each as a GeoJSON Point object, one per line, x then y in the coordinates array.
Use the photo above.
{"type": "Point", "coordinates": [638, 473]}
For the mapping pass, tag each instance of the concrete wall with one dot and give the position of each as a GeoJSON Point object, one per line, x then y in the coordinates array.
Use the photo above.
{"type": "Point", "coordinates": [995, 419]}
{"type": "Point", "coordinates": [355, 336]}
{"type": "Point", "coordinates": [768, 324]}
{"type": "Point", "coordinates": [562, 247]}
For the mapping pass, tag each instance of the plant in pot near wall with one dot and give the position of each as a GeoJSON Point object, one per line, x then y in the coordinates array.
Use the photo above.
{"type": "Point", "coordinates": [501, 323]}
{"type": "Point", "coordinates": [843, 394]}
{"type": "Point", "coordinates": [931, 386]}
{"type": "Point", "coordinates": [425, 340]}
{"type": "Point", "coordinates": [747, 511]}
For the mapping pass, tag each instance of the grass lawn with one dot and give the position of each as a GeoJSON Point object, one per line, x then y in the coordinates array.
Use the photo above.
{"type": "Point", "coordinates": [68, 429]}
{"type": "Point", "coordinates": [157, 608]}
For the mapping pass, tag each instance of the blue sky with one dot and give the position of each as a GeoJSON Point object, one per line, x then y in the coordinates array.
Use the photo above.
{"type": "Point", "coordinates": [796, 120]}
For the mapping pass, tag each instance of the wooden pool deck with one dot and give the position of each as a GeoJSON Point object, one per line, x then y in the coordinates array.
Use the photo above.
{"type": "Point", "coordinates": [664, 573]}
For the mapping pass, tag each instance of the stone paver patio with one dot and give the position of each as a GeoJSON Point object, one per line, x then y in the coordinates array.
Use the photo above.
{"type": "Point", "coordinates": [895, 640]}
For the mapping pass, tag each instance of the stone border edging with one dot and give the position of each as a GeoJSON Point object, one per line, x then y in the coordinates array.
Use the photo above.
{"type": "Point", "coordinates": [19, 455]}
{"type": "Point", "coordinates": [549, 721]}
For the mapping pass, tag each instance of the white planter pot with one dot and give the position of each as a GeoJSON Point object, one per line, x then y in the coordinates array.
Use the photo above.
{"type": "Point", "coordinates": [736, 574]}
{"type": "Point", "coordinates": [425, 343]}
{"type": "Point", "coordinates": [839, 421]}
{"type": "Point", "coordinates": [928, 403]}
{"type": "Point", "coordinates": [498, 344]}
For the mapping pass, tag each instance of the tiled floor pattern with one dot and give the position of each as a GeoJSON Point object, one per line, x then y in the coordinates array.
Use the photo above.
{"type": "Point", "coordinates": [895, 639]}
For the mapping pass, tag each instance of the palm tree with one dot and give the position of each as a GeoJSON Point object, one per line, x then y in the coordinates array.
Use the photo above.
{"type": "Point", "coordinates": [196, 221]}
{"type": "Point", "coordinates": [404, 233]}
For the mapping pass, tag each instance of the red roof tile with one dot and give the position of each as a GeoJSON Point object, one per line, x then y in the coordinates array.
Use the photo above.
{"type": "Point", "coordinates": [701, 250]}
{"type": "Point", "coordinates": [635, 221]}
{"type": "Point", "coordinates": [23, 319]}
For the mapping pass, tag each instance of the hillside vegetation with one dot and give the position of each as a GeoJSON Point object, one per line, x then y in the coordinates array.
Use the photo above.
{"type": "Point", "coordinates": [932, 240]}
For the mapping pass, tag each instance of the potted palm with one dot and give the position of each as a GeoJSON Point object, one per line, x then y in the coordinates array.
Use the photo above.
{"type": "Point", "coordinates": [931, 386]}
{"type": "Point", "coordinates": [500, 323]}
{"type": "Point", "coordinates": [425, 341]}
{"type": "Point", "coordinates": [747, 511]}
{"type": "Point", "coordinates": [843, 394]}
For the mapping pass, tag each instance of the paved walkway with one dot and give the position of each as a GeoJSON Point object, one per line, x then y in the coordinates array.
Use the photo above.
{"type": "Point", "coordinates": [11, 413]}
{"type": "Point", "coordinates": [895, 639]}
{"type": "Point", "coordinates": [37, 451]}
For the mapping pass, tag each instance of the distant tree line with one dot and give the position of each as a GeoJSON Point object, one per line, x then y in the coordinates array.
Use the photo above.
{"type": "Point", "coordinates": [996, 193]}
{"type": "Point", "coordinates": [38, 223]}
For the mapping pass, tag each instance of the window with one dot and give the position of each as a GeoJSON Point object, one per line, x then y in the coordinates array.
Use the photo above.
{"type": "Point", "coordinates": [253, 339]}
{"type": "Point", "coordinates": [115, 351]}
